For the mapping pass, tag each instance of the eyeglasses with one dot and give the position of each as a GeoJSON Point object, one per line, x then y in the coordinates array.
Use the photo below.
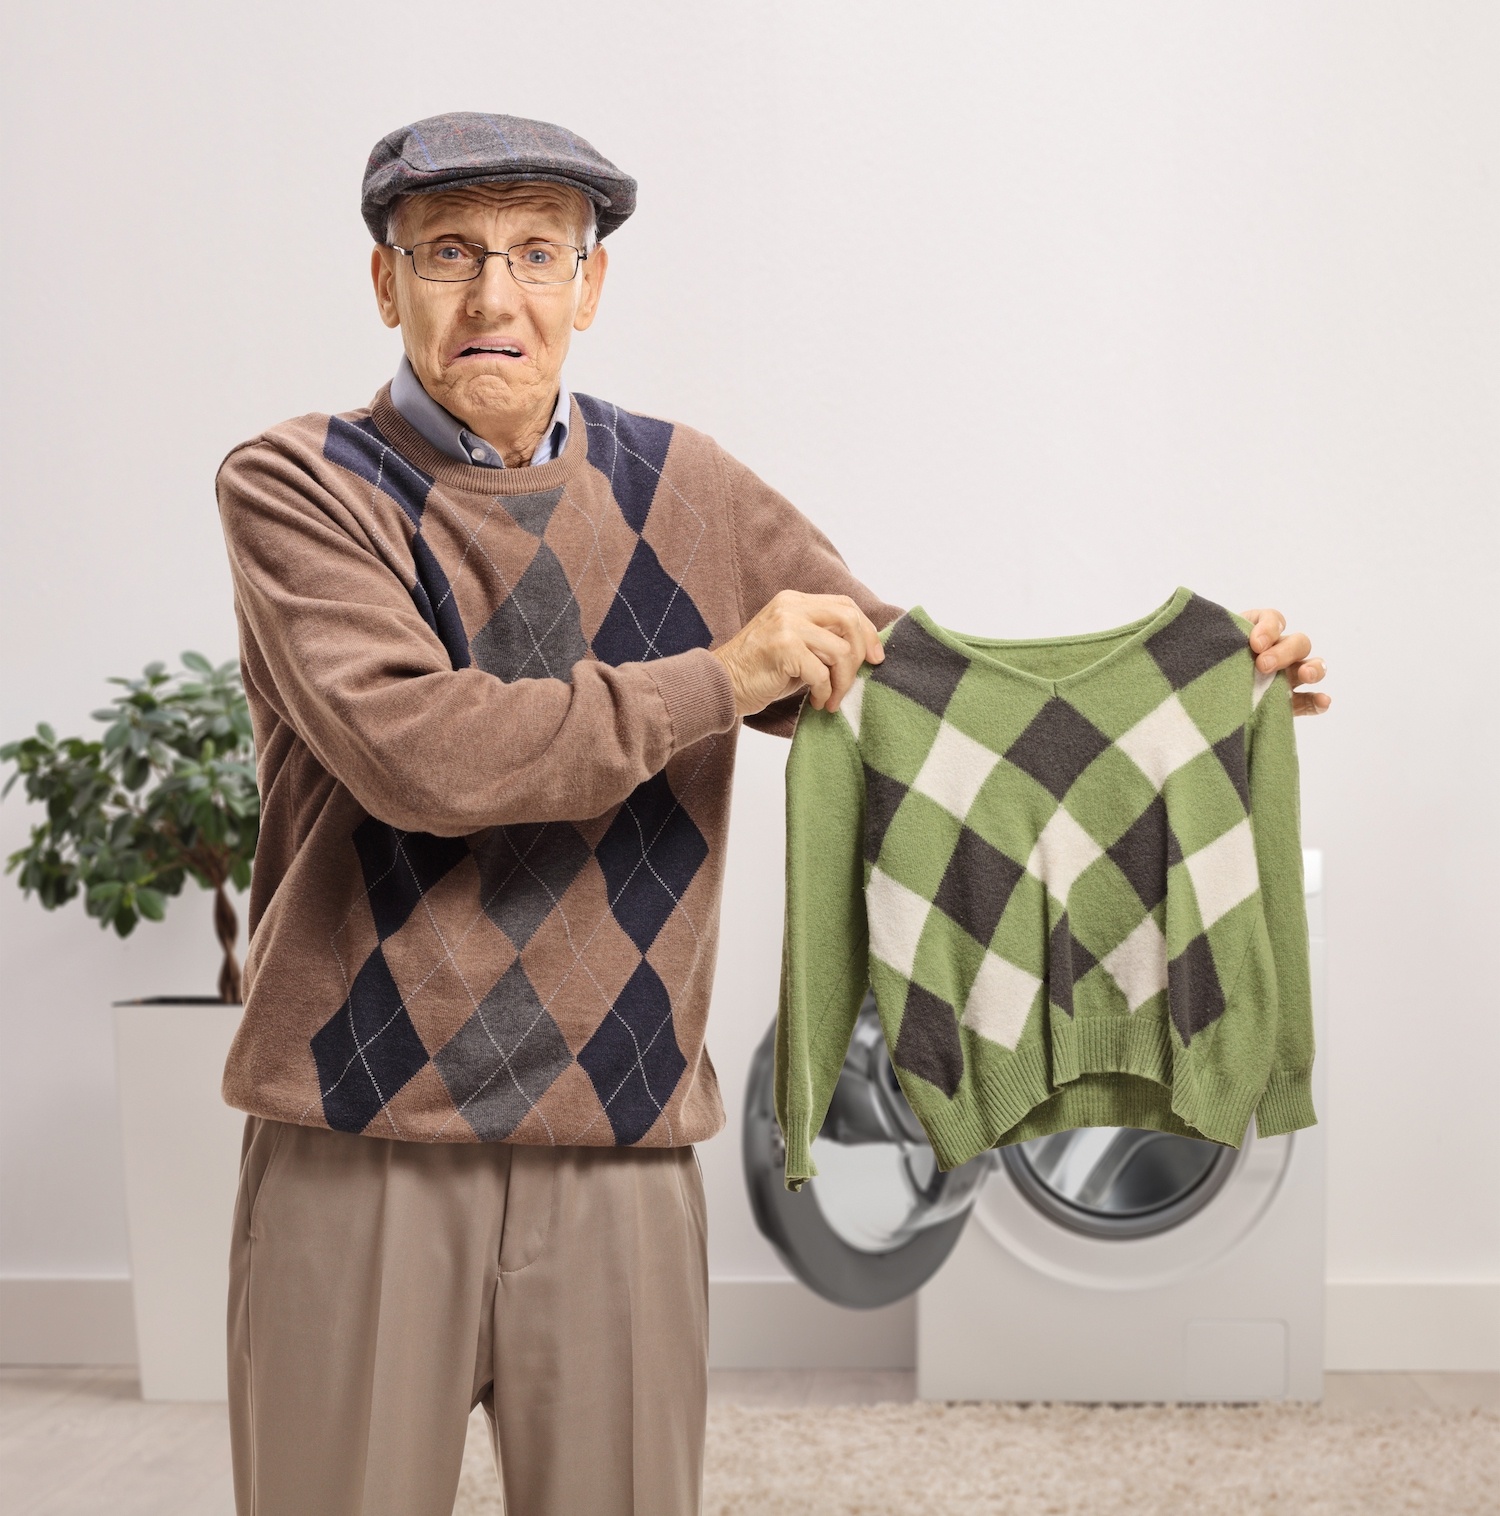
{"type": "Point", "coordinates": [449, 261]}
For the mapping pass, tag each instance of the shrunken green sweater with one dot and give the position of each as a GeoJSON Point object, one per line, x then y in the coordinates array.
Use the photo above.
{"type": "Point", "coordinates": [1070, 870]}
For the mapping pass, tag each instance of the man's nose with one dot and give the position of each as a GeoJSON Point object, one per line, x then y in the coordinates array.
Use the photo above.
{"type": "Point", "coordinates": [494, 292]}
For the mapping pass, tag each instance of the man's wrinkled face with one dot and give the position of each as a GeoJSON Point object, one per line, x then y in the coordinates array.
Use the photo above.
{"type": "Point", "coordinates": [494, 347]}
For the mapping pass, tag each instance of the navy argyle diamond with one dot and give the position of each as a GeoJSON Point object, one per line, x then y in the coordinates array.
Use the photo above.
{"type": "Point", "coordinates": [363, 451]}
{"type": "Point", "coordinates": [400, 867]}
{"type": "Point", "coordinates": [367, 1050]}
{"type": "Point", "coordinates": [633, 1059]}
{"type": "Point", "coordinates": [649, 856]}
{"type": "Point", "coordinates": [630, 451]}
{"type": "Point", "coordinates": [652, 615]}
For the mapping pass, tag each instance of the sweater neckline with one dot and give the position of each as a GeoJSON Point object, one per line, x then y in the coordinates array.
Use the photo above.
{"type": "Point", "coordinates": [530, 479]}
{"type": "Point", "coordinates": [984, 650]}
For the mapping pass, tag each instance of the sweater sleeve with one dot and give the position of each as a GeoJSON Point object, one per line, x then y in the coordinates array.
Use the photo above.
{"type": "Point", "coordinates": [777, 548]}
{"type": "Point", "coordinates": [1286, 1103]}
{"type": "Point", "coordinates": [825, 948]}
{"type": "Point", "coordinates": [369, 687]}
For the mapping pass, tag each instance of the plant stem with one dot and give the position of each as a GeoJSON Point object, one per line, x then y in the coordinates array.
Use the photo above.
{"type": "Point", "coordinates": [227, 927]}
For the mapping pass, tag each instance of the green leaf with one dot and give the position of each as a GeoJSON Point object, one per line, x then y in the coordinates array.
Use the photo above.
{"type": "Point", "coordinates": [152, 904]}
{"type": "Point", "coordinates": [46, 733]}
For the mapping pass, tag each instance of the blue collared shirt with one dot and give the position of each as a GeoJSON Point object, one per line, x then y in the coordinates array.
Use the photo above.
{"type": "Point", "coordinates": [453, 439]}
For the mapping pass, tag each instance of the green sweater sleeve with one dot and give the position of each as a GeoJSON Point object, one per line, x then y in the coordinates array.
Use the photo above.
{"type": "Point", "coordinates": [1286, 1103]}
{"type": "Point", "coordinates": [825, 947]}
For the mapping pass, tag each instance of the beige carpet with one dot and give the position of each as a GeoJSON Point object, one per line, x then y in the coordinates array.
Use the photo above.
{"type": "Point", "coordinates": [910, 1460]}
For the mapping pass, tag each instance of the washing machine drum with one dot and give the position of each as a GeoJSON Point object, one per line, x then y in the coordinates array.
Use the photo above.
{"type": "Point", "coordinates": [880, 1218]}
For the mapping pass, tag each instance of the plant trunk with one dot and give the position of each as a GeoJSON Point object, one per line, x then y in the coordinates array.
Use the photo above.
{"type": "Point", "coordinates": [227, 926]}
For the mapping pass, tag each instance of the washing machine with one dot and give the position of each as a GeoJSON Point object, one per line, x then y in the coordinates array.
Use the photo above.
{"type": "Point", "coordinates": [1102, 1264]}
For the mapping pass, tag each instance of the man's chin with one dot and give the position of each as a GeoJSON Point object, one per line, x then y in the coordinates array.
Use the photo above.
{"type": "Point", "coordinates": [490, 391]}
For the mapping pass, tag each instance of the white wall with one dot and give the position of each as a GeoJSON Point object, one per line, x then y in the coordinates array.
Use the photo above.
{"type": "Point", "coordinates": [1229, 318]}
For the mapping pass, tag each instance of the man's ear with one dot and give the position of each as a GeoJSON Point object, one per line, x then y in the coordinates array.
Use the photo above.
{"type": "Point", "coordinates": [595, 267]}
{"type": "Point", "coordinates": [383, 273]}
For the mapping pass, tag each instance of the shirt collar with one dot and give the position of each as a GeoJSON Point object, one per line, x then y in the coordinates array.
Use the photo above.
{"type": "Point", "coordinates": [453, 439]}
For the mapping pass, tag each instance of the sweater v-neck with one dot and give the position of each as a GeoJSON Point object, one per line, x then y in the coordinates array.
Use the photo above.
{"type": "Point", "coordinates": [985, 650]}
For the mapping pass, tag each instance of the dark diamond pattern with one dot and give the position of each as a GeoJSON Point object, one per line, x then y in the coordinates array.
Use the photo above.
{"type": "Point", "coordinates": [504, 1058]}
{"type": "Point", "coordinates": [400, 867]}
{"type": "Point", "coordinates": [630, 451]}
{"type": "Point", "coordinates": [1194, 994]}
{"type": "Point", "coordinates": [364, 452]}
{"type": "Point", "coordinates": [652, 615]}
{"type": "Point", "coordinates": [649, 856]}
{"type": "Point", "coordinates": [928, 1045]}
{"type": "Point", "coordinates": [1198, 638]}
{"type": "Point", "coordinates": [532, 512]}
{"type": "Point", "coordinates": [1057, 747]}
{"type": "Point", "coordinates": [920, 667]}
{"type": "Point", "coordinates": [534, 632]}
{"type": "Point", "coordinates": [1230, 751]}
{"type": "Point", "coordinates": [1146, 851]}
{"type": "Point", "coordinates": [1068, 960]}
{"type": "Point", "coordinates": [633, 1058]}
{"type": "Point", "coordinates": [524, 870]}
{"type": "Point", "coordinates": [367, 1050]}
{"type": "Point", "coordinates": [883, 797]}
{"type": "Point", "coordinates": [977, 885]}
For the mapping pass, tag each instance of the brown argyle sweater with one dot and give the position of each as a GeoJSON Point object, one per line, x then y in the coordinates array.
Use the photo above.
{"type": "Point", "coordinates": [495, 758]}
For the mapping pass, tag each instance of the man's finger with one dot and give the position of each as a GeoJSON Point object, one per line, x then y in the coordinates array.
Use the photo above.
{"type": "Point", "coordinates": [1309, 704]}
{"type": "Point", "coordinates": [1291, 650]}
{"type": "Point", "coordinates": [816, 677]}
{"type": "Point", "coordinates": [1269, 625]}
{"type": "Point", "coordinates": [1310, 672]}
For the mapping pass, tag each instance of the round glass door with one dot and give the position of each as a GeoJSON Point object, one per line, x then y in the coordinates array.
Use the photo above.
{"type": "Point", "coordinates": [880, 1217]}
{"type": "Point", "coordinates": [1119, 1181]}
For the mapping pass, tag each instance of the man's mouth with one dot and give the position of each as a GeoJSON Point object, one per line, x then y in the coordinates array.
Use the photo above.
{"type": "Point", "coordinates": [491, 350]}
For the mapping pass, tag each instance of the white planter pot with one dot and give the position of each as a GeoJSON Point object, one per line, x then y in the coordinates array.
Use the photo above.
{"type": "Point", "coordinates": [182, 1154]}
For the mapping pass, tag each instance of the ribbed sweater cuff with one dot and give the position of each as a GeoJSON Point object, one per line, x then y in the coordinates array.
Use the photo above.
{"type": "Point", "coordinates": [1286, 1105]}
{"type": "Point", "coordinates": [799, 1164]}
{"type": "Point", "coordinates": [699, 698]}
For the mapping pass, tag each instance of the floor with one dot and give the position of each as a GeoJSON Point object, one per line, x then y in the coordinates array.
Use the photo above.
{"type": "Point", "coordinates": [80, 1441]}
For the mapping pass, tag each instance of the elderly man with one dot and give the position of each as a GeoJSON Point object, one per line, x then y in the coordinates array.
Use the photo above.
{"type": "Point", "coordinates": [498, 640]}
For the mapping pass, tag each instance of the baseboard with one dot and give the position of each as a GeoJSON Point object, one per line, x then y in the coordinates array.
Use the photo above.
{"type": "Point", "coordinates": [1425, 1327]}
{"type": "Point", "coordinates": [58, 1321]}
{"type": "Point", "coordinates": [1411, 1327]}
{"type": "Point", "coordinates": [780, 1324]}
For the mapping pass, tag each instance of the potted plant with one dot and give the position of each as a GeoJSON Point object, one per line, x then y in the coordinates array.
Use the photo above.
{"type": "Point", "coordinates": [165, 795]}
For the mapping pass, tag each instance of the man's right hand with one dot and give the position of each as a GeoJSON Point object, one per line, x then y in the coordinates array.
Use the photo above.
{"type": "Point", "coordinates": [816, 641]}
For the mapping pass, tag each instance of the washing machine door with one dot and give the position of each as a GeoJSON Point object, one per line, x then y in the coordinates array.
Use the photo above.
{"type": "Point", "coordinates": [880, 1218]}
{"type": "Point", "coordinates": [1118, 1182]}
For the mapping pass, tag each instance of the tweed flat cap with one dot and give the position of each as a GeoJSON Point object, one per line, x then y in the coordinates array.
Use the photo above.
{"type": "Point", "coordinates": [473, 147]}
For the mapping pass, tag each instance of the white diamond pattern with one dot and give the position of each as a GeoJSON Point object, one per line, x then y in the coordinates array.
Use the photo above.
{"type": "Point", "coordinates": [896, 916]}
{"type": "Point", "coordinates": [1139, 964]}
{"type": "Point", "coordinates": [1062, 852]}
{"type": "Point", "coordinates": [1000, 1000]}
{"type": "Point", "coordinates": [1162, 742]}
{"type": "Point", "coordinates": [1224, 873]}
{"type": "Point", "coordinates": [955, 770]}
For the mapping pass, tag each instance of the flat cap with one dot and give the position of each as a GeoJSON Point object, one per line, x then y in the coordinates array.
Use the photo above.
{"type": "Point", "coordinates": [473, 147]}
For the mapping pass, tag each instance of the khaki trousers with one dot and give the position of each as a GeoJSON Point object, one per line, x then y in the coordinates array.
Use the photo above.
{"type": "Point", "coordinates": [380, 1290]}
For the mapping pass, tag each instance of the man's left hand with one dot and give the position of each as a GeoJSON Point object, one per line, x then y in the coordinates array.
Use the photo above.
{"type": "Point", "coordinates": [1280, 651]}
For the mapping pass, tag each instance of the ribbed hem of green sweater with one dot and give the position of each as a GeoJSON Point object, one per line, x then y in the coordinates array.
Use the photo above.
{"type": "Point", "coordinates": [1286, 1104]}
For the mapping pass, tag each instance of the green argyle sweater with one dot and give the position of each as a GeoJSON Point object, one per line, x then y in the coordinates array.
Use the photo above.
{"type": "Point", "coordinates": [1070, 870]}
